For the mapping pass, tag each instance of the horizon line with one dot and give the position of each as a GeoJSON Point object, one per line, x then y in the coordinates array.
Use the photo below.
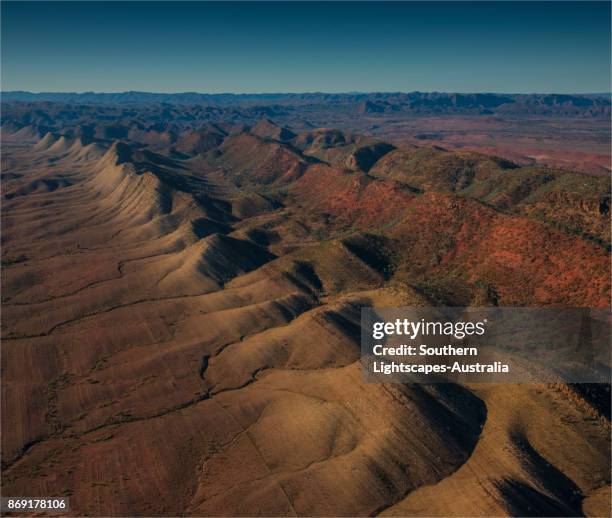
{"type": "Point", "coordinates": [313, 92]}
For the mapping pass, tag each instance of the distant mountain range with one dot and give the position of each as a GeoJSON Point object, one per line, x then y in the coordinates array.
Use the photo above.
{"type": "Point", "coordinates": [418, 103]}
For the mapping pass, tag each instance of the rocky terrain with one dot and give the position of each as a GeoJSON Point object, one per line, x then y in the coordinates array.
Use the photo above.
{"type": "Point", "coordinates": [181, 294]}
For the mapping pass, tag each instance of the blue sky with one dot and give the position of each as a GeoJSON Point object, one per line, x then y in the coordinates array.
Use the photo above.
{"type": "Point", "coordinates": [561, 47]}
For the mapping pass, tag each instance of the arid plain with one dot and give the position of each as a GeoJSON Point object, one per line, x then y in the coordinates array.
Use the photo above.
{"type": "Point", "coordinates": [181, 303]}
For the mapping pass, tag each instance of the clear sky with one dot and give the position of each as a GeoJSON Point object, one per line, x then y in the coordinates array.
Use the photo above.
{"type": "Point", "coordinates": [512, 47]}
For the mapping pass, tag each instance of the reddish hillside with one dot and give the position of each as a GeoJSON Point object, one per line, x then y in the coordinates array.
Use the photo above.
{"type": "Point", "coordinates": [351, 199]}
{"type": "Point", "coordinates": [471, 250]}
{"type": "Point", "coordinates": [251, 159]}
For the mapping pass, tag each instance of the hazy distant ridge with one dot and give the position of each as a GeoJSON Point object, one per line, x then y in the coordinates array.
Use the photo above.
{"type": "Point", "coordinates": [414, 102]}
